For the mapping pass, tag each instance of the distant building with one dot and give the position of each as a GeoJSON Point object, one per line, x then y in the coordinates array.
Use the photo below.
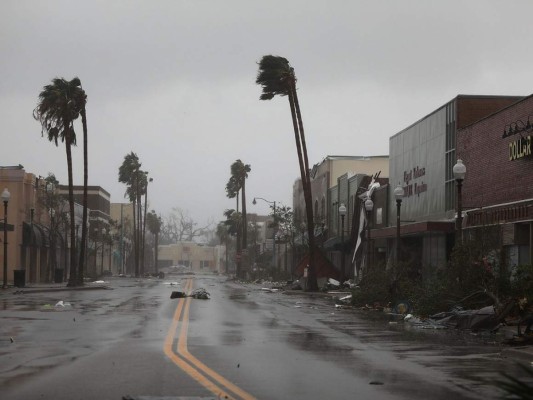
{"type": "Point", "coordinates": [336, 180]}
{"type": "Point", "coordinates": [98, 251]}
{"type": "Point", "coordinates": [194, 256]}
{"type": "Point", "coordinates": [121, 216]}
{"type": "Point", "coordinates": [325, 175]}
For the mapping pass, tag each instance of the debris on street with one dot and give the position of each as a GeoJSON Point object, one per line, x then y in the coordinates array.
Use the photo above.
{"type": "Point", "coordinates": [482, 319]}
{"type": "Point", "coordinates": [331, 284]}
{"type": "Point", "coordinates": [270, 290]}
{"type": "Point", "coordinates": [199, 293]}
{"type": "Point", "coordinates": [344, 302]}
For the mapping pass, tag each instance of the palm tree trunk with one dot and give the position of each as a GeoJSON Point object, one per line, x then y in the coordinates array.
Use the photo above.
{"type": "Point", "coordinates": [135, 245]}
{"type": "Point", "coordinates": [144, 229]}
{"type": "Point", "coordinates": [139, 235]}
{"type": "Point", "coordinates": [73, 267]}
{"type": "Point", "coordinates": [244, 219]}
{"type": "Point", "coordinates": [81, 262]}
{"type": "Point", "coordinates": [156, 250]}
{"type": "Point", "coordinates": [312, 284]}
{"type": "Point", "coordinates": [244, 224]}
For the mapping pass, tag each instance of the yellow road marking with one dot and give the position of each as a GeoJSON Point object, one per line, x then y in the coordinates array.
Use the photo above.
{"type": "Point", "coordinates": [182, 350]}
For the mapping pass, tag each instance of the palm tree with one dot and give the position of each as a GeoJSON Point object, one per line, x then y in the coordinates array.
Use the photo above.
{"type": "Point", "coordinates": [153, 223]}
{"type": "Point", "coordinates": [81, 262]}
{"type": "Point", "coordinates": [232, 223]}
{"type": "Point", "coordinates": [130, 174]}
{"type": "Point", "coordinates": [277, 77]}
{"type": "Point", "coordinates": [59, 105]}
{"type": "Point", "coordinates": [145, 192]}
{"type": "Point", "coordinates": [236, 184]}
{"type": "Point", "coordinates": [223, 235]}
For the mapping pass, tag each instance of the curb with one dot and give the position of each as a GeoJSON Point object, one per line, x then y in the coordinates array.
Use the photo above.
{"type": "Point", "coordinates": [58, 289]}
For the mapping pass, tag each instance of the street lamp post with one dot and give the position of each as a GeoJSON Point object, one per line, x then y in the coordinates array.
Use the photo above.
{"type": "Point", "coordinates": [104, 232]}
{"type": "Point", "coordinates": [342, 213]}
{"type": "Point", "coordinates": [144, 224]}
{"type": "Point", "coordinates": [459, 172]}
{"type": "Point", "coordinates": [53, 246]}
{"type": "Point", "coordinates": [398, 194]}
{"type": "Point", "coordinates": [369, 206]}
{"type": "Point", "coordinates": [5, 198]}
{"type": "Point", "coordinates": [273, 203]}
{"type": "Point", "coordinates": [95, 230]}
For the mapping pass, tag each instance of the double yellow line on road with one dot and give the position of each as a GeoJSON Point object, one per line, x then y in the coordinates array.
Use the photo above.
{"type": "Point", "coordinates": [197, 370]}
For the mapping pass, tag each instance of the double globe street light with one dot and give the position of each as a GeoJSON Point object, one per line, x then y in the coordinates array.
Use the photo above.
{"type": "Point", "coordinates": [459, 172]}
{"type": "Point", "coordinates": [398, 195]}
{"type": "Point", "coordinates": [369, 206]}
{"type": "Point", "coordinates": [342, 213]}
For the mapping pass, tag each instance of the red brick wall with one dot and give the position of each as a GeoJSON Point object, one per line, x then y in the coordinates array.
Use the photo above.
{"type": "Point", "coordinates": [491, 178]}
{"type": "Point", "coordinates": [473, 108]}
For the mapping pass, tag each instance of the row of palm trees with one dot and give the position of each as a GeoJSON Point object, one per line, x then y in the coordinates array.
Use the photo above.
{"type": "Point", "coordinates": [60, 104]}
{"type": "Point", "coordinates": [136, 181]}
{"type": "Point", "coordinates": [236, 221]}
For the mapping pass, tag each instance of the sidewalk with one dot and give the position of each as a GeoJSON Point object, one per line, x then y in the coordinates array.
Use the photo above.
{"type": "Point", "coordinates": [53, 287]}
{"type": "Point", "coordinates": [520, 353]}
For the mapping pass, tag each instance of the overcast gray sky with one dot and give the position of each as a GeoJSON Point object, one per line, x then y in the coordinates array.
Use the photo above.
{"type": "Point", "coordinates": [174, 82]}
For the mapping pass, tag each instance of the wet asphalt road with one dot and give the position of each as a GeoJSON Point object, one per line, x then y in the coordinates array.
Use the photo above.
{"type": "Point", "coordinates": [122, 342]}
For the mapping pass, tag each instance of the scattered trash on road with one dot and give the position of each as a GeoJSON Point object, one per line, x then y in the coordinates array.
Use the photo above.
{"type": "Point", "coordinates": [270, 290]}
{"type": "Point", "coordinates": [199, 293]}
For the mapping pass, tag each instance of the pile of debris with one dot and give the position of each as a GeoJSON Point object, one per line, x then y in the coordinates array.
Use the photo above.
{"type": "Point", "coordinates": [199, 293]}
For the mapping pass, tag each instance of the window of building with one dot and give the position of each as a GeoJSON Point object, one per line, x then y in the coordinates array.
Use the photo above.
{"type": "Point", "coordinates": [450, 156]}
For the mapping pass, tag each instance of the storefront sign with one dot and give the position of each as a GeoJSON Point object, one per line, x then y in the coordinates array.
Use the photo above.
{"type": "Point", "coordinates": [520, 148]}
{"type": "Point", "coordinates": [414, 188]}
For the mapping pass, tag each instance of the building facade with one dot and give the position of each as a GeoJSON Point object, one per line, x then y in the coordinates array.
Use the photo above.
{"type": "Point", "coordinates": [422, 157]}
{"type": "Point", "coordinates": [497, 193]}
{"type": "Point", "coordinates": [38, 246]}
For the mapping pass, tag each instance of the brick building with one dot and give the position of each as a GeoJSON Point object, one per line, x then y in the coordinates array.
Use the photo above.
{"type": "Point", "coordinates": [498, 187]}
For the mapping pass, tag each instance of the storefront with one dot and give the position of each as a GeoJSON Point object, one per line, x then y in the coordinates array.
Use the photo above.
{"type": "Point", "coordinates": [422, 157]}
{"type": "Point", "coordinates": [498, 187]}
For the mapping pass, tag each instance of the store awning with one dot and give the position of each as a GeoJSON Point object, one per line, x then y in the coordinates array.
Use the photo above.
{"type": "Point", "coordinates": [416, 228]}
{"type": "Point", "coordinates": [34, 235]}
